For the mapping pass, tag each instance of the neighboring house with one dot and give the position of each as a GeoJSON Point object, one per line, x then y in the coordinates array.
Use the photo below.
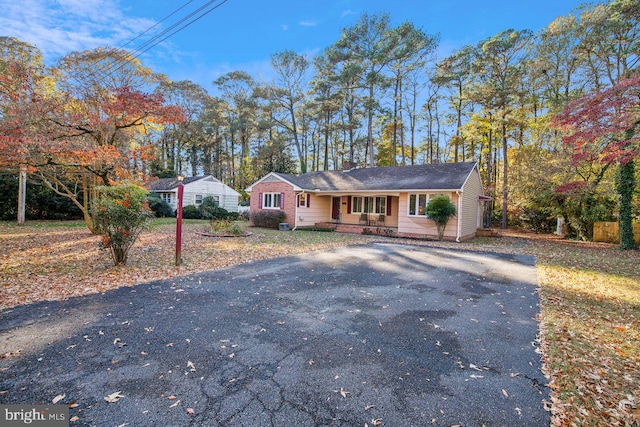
{"type": "Point", "coordinates": [388, 200]}
{"type": "Point", "coordinates": [196, 188]}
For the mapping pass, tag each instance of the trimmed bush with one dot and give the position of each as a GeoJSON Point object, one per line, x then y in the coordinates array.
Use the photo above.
{"type": "Point", "coordinates": [121, 214]}
{"type": "Point", "coordinates": [191, 212]}
{"type": "Point", "coordinates": [440, 209]}
{"type": "Point", "coordinates": [159, 207]}
{"type": "Point", "coordinates": [268, 219]}
{"type": "Point", "coordinates": [209, 209]}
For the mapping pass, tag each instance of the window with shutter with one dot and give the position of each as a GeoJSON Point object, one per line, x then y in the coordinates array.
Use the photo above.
{"type": "Point", "coordinates": [303, 200]}
{"type": "Point", "coordinates": [272, 200]}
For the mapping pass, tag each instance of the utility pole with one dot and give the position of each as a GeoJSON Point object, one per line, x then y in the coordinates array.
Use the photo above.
{"type": "Point", "coordinates": [22, 194]}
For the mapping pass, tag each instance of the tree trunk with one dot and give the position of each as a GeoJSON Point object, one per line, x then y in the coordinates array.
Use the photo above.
{"type": "Point", "coordinates": [370, 127]}
{"type": "Point", "coordinates": [459, 124]}
{"type": "Point", "coordinates": [490, 166]}
{"type": "Point", "coordinates": [402, 151]}
{"type": "Point", "coordinates": [505, 167]}
{"type": "Point", "coordinates": [394, 149]}
{"type": "Point", "coordinates": [326, 142]}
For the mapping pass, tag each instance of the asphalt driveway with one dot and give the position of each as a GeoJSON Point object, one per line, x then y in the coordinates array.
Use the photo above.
{"type": "Point", "coordinates": [381, 334]}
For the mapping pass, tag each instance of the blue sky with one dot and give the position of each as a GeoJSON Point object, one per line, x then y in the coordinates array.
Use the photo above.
{"type": "Point", "coordinates": [242, 34]}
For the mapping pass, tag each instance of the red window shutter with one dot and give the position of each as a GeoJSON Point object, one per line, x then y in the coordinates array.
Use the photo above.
{"type": "Point", "coordinates": [349, 204]}
{"type": "Point", "coordinates": [281, 200]}
{"type": "Point", "coordinates": [308, 200]}
{"type": "Point", "coordinates": [389, 198]}
{"type": "Point", "coordinates": [260, 201]}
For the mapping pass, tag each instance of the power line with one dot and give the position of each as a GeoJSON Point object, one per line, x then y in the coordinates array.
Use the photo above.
{"type": "Point", "coordinates": [156, 24]}
{"type": "Point", "coordinates": [162, 36]}
{"type": "Point", "coordinates": [98, 73]}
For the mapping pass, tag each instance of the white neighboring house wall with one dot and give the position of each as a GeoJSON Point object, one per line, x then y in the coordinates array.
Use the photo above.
{"type": "Point", "coordinates": [196, 191]}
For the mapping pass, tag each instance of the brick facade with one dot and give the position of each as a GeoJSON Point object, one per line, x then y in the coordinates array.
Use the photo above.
{"type": "Point", "coordinates": [275, 187]}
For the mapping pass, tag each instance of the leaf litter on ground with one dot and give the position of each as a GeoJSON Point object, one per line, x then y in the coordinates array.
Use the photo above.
{"type": "Point", "coordinates": [590, 294]}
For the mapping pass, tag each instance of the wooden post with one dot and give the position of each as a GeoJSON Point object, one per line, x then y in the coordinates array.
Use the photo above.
{"type": "Point", "coordinates": [22, 194]}
{"type": "Point", "coordinates": [179, 222]}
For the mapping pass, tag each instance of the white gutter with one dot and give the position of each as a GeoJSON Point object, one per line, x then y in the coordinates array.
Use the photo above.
{"type": "Point", "coordinates": [459, 231]}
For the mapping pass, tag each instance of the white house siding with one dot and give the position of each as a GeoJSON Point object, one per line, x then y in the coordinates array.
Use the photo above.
{"type": "Point", "coordinates": [423, 227]}
{"type": "Point", "coordinates": [209, 187]}
{"type": "Point", "coordinates": [319, 210]}
{"type": "Point", "coordinates": [470, 205]}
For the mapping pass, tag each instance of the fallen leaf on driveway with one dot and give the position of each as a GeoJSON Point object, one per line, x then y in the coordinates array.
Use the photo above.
{"type": "Point", "coordinates": [58, 398]}
{"type": "Point", "coordinates": [191, 366]}
{"type": "Point", "coordinates": [113, 397]}
{"type": "Point", "coordinates": [74, 418]}
{"type": "Point", "coordinates": [175, 404]}
{"type": "Point", "coordinates": [505, 393]}
{"type": "Point", "coordinates": [344, 393]}
{"type": "Point", "coordinates": [190, 411]}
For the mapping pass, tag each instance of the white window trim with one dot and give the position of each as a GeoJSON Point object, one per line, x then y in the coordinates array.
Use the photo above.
{"type": "Point", "coordinates": [195, 199]}
{"type": "Point", "coordinates": [371, 205]}
{"type": "Point", "coordinates": [429, 197]}
{"type": "Point", "coordinates": [383, 204]}
{"type": "Point", "coordinates": [303, 203]}
{"type": "Point", "coordinates": [353, 204]}
{"type": "Point", "coordinates": [272, 199]}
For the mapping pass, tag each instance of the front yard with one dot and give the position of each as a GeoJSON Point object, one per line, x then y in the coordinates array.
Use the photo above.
{"type": "Point", "coordinates": [590, 320]}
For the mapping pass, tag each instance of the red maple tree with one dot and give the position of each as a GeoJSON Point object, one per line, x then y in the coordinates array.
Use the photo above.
{"type": "Point", "coordinates": [602, 127]}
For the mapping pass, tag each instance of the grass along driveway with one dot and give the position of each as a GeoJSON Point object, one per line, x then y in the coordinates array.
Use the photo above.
{"type": "Point", "coordinates": [590, 293]}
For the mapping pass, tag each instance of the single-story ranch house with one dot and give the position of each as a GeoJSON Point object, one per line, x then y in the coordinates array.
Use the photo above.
{"type": "Point", "coordinates": [196, 188]}
{"type": "Point", "coordinates": [385, 200]}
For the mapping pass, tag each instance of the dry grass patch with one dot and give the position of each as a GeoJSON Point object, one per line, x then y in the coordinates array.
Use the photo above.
{"type": "Point", "coordinates": [58, 260]}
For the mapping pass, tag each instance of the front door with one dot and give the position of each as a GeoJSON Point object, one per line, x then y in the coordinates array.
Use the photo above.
{"type": "Point", "coordinates": [335, 209]}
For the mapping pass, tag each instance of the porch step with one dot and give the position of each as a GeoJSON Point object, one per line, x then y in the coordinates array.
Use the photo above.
{"type": "Point", "coordinates": [488, 232]}
{"type": "Point", "coordinates": [357, 228]}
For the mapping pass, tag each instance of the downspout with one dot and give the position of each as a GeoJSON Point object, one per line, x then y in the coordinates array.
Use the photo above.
{"type": "Point", "coordinates": [458, 216]}
{"type": "Point", "coordinates": [295, 221]}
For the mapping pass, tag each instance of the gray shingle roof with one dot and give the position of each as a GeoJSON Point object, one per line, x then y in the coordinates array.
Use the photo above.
{"type": "Point", "coordinates": [441, 176]}
{"type": "Point", "coordinates": [168, 184]}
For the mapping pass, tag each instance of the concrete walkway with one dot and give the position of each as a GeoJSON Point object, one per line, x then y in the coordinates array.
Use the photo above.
{"type": "Point", "coordinates": [382, 334]}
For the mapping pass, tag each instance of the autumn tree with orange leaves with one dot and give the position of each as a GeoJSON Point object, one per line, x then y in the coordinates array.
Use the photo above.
{"type": "Point", "coordinates": [86, 129]}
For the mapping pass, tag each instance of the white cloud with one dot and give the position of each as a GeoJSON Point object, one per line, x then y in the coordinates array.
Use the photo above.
{"type": "Point", "coordinates": [308, 23]}
{"type": "Point", "coordinates": [284, 27]}
{"type": "Point", "coordinates": [348, 12]}
{"type": "Point", "coordinates": [57, 28]}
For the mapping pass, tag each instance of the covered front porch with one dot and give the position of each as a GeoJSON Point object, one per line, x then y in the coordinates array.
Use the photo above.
{"type": "Point", "coordinates": [358, 210]}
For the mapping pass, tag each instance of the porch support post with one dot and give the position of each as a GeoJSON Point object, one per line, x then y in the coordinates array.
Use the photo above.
{"type": "Point", "coordinates": [296, 206]}
{"type": "Point", "coordinates": [458, 215]}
